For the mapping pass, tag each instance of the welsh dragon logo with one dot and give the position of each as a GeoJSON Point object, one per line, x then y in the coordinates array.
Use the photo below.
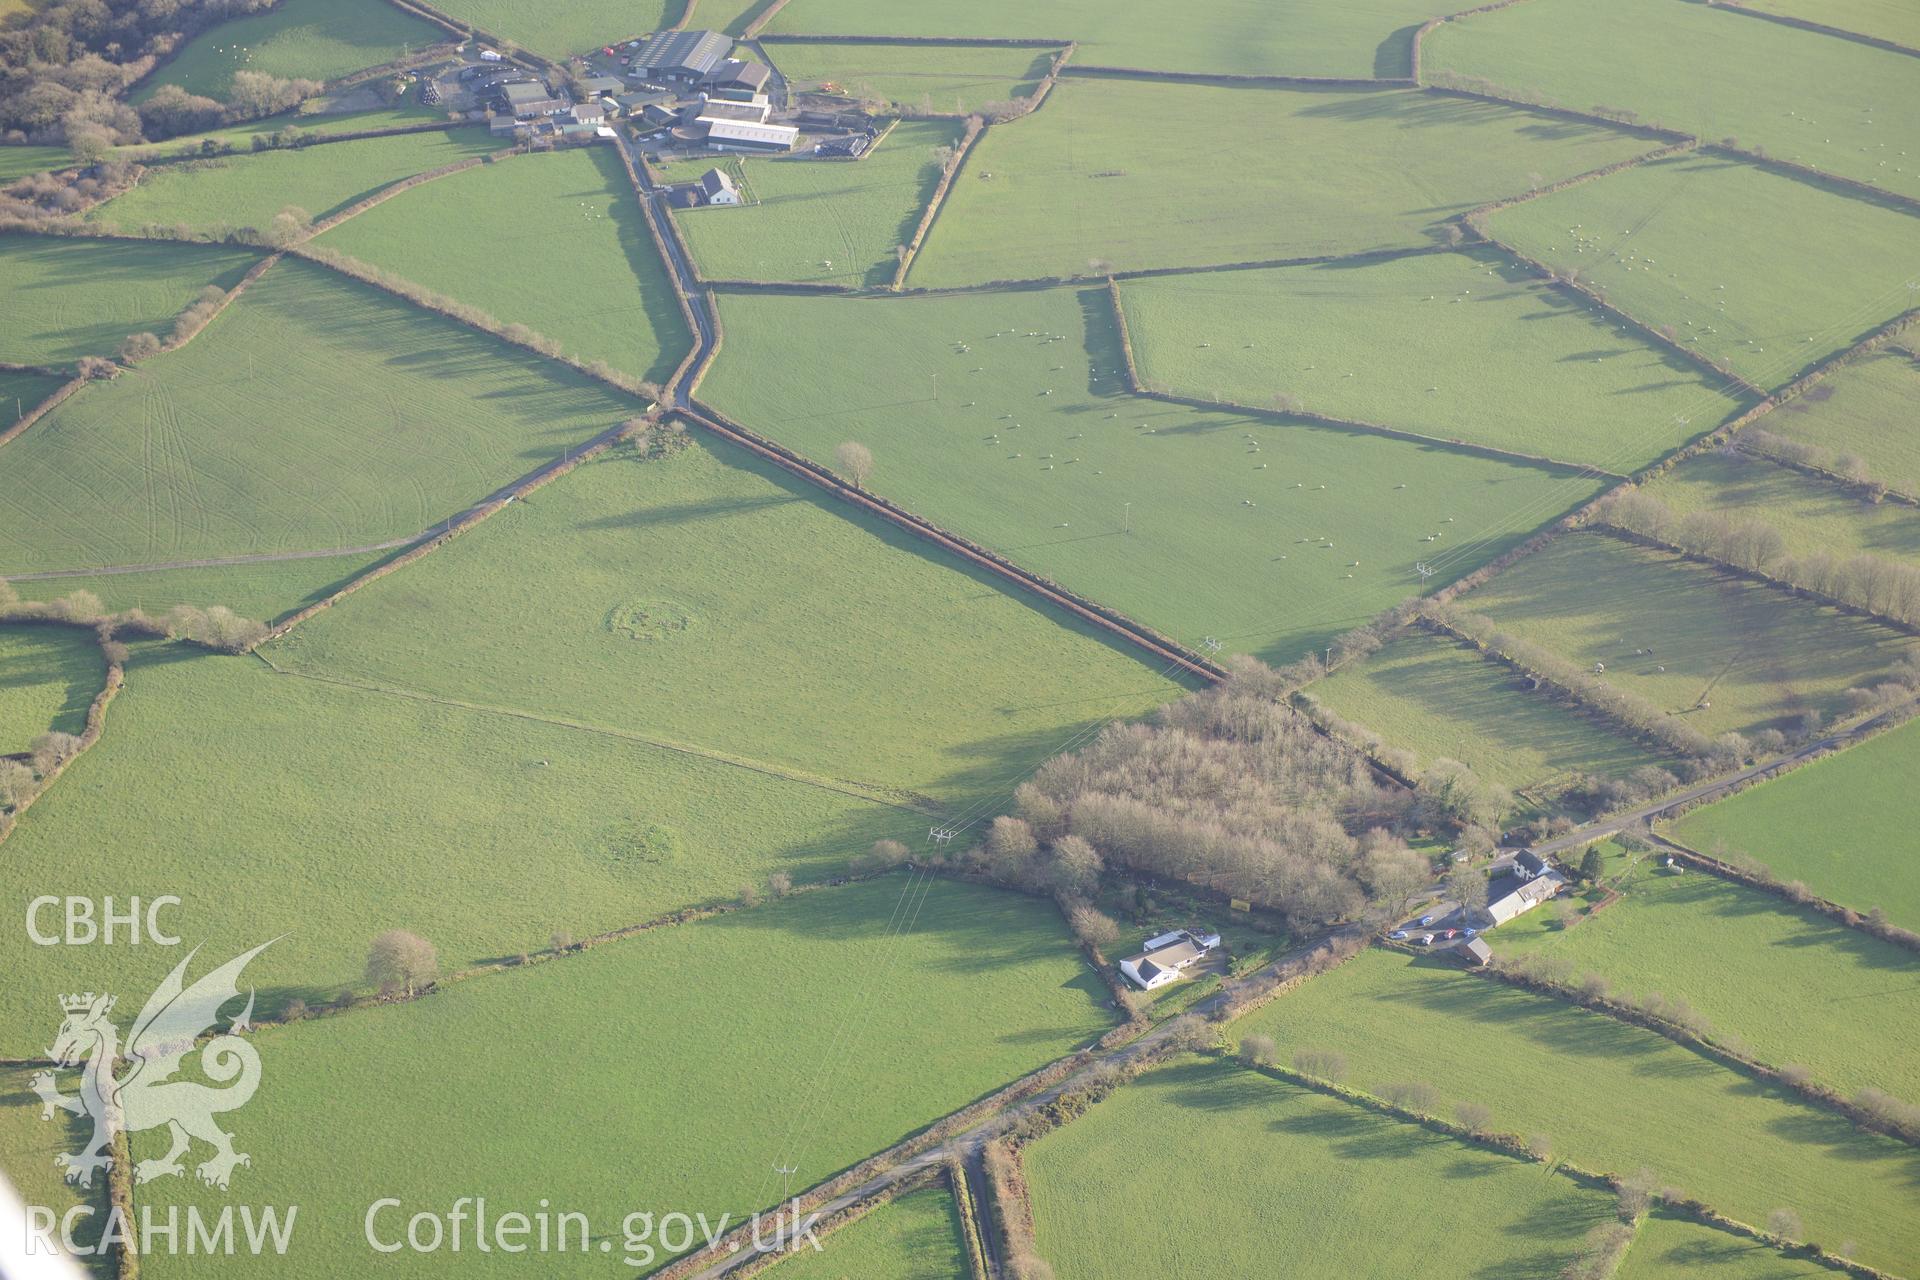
{"type": "Point", "coordinates": [146, 1096]}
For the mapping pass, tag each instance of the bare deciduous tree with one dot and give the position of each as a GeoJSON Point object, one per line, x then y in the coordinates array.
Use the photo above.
{"type": "Point", "coordinates": [401, 960]}
{"type": "Point", "coordinates": [855, 460]}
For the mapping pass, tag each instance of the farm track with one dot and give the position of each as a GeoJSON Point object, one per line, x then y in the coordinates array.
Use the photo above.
{"type": "Point", "coordinates": [858, 791]}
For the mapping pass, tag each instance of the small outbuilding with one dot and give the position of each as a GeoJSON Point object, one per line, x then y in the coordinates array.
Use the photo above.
{"type": "Point", "coordinates": [1478, 953]}
{"type": "Point", "coordinates": [587, 113]}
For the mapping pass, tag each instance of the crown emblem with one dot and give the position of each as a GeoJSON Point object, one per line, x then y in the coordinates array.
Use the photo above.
{"type": "Point", "coordinates": [81, 1003]}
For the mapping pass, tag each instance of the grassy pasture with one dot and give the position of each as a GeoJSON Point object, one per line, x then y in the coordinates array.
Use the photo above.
{"type": "Point", "coordinates": [555, 242]}
{"type": "Point", "coordinates": [484, 833]}
{"type": "Point", "coordinates": [248, 190]}
{"type": "Point", "coordinates": [1144, 175]}
{"type": "Point", "coordinates": [28, 1145]}
{"type": "Point", "coordinates": [19, 392]}
{"type": "Point", "coordinates": [1236, 37]}
{"type": "Point", "coordinates": [812, 213]}
{"type": "Point", "coordinates": [917, 77]}
{"type": "Point", "coordinates": [1759, 655]}
{"type": "Point", "coordinates": [1462, 346]}
{"type": "Point", "coordinates": [1290, 1173]}
{"type": "Point", "coordinates": [1723, 253]}
{"type": "Point", "coordinates": [316, 413]}
{"type": "Point", "coordinates": [1796, 986]}
{"type": "Point", "coordinates": [1739, 1145]}
{"type": "Point", "coordinates": [68, 298]}
{"type": "Point", "coordinates": [1439, 699]}
{"type": "Point", "coordinates": [710, 599]}
{"type": "Point", "coordinates": [264, 590]}
{"type": "Point", "coordinates": [1887, 19]}
{"type": "Point", "coordinates": [48, 675]}
{"type": "Point", "coordinates": [916, 1236]}
{"type": "Point", "coordinates": [1670, 1247]}
{"type": "Point", "coordinates": [562, 27]}
{"type": "Point", "coordinates": [1044, 456]}
{"type": "Point", "coordinates": [1865, 409]}
{"type": "Point", "coordinates": [690, 1050]}
{"type": "Point", "coordinates": [1848, 108]}
{"type": "Point", "coordinates": [1839, 824]}
{"type": "Point", "coordinates": [1812, 514]}
{"type": "Point", "coordinates": [296, 39]}
{"type": "Point", "coordinates": [23, 161]}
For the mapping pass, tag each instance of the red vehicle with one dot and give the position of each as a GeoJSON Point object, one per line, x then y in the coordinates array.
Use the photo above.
{"type": "Point", "coordinates": [608, 51]}
{"type": "Point", "coordinates": [1451, 933]}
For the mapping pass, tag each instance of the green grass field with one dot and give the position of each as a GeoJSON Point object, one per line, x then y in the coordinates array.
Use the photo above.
{"type": "Point", "coordinates": [1670, 1247]}
{"type": "Point", "coordinates": [19, 392]}
{"type": "Point", "coordinates": [1739, 1145]}
{"type": "Point", "coordinates": [1838, 824]}
{"type": "Point", "coordinates": [1812, 515]}
{"type": "Point", "coordinates": [1287, 1173]}
{"type": "Point", "coordinates": [693, 1058]}
{"type": "Point", "coordinates": [296, 39]}
{"type": "Point", "coordinates": [1760, 656]}
{"type": "Point", "coordinates": [1043, 456]}
{"type": "Point", "coordinates": [1236, 37]}
{"type": "Point", "coordinates": [1887, 19]}
{"type": "Point", "coordinates": [1794, 985]}
{"type": "Point", "coordinates": [1462, 346]}
{"type": "Point", "coordinates": [569, 26]}
{"type": "Point", "coordinates": [262, 590]}
{"type": "Point", "coordinates": [916, 77]}
{"type": "Point", "coordinates": [1440, 699]}
{"type": "Point", "coordinates": [713, 600]}
{"type": "Point", "coordinates": [22, 161]}
{"type": "Point", "coordinates": [48, 675]}
{"type": "Point", "coordinates": [1863, 410]}
{"type": "Point", "coordinates": [912, 1237]}
{"type": "Point", "coordinates": [1675, 242]}
{"type": "Point", "coordinates": [1109, 170]}
{"type": "Point", "coordinates": [484, 833]}
{"type": "Point", "coordinates": [247, 191]}
{"type": "Point", "coordinates": [819, 220]}
{"type": "Point", "coordinates": [68, 298]}
{"type": "Point", "coordinates": [28, 1145]}
{"type": "Point", "coordinates": [555, 242]}
{"type": "Point", "coordinates": [1847, 108]}
{"type": "Point", "coordinates": [315, 414]}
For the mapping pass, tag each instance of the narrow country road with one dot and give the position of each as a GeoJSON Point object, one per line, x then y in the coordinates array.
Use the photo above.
{"type": "Point", "coordinates": [683, 274]}
{"type": "Point", "coordinates": [1645, 814]}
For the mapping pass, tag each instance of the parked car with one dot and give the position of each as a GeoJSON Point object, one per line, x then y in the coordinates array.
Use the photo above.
{"type": "Point", "coordinates": [1469, 932]}
{"type": "Point", "coordinates": [1398, 934]}
{"type": "Point", "coordinates": [1425, 921]}
{"type": "Point", "coordinates": [1451, 933]}
{"type": "Point", "coordinates": [1426, 939]}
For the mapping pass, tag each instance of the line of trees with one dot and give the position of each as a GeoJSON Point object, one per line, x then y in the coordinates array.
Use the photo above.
{"type": "Point", "coordinates": [1876, 584]}
{"type": "Point", "coordinates": [1850, 467]}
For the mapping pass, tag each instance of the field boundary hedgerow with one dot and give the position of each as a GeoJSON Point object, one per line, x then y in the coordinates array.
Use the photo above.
{"type": "Point", "coordinates": [309, 140]}
{"type": "Point", "coordinates": [1819, 474]}
{"type": "Point", "coordinates": [1136, 386]}
{"type": "Point", "coordinates": [1600, 524]}
{"type": "Point", "coordinates": [1513, 1145]}
{"type": "Point", "coordinates": [1791, 892]}
{"type": "Point", "coordinates": [992, 42]}
{"type": "Point", "coordinates": [96, 723]}
{"type": "Point", "coordinates": [1229, 80]}
{"type": "Point", "coordinates": [1699, 1041]}
{"type": "Point", "coordinates": [1808, 24]}
{"type": "Point", "coordinates": [1112, 621]}
{"type": "Point", "coordinates": [976, 129]}
{"type": "Point", "coordinates": [393, 189]}
{"type": "Point", "coordinates": [41, 410]}
{"type": "Point", "coordinates": [1730, 429]}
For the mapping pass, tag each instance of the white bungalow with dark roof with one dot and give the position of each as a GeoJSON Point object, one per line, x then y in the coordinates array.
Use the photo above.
{"type": "Point", "coordinates": [717, 188]}
{"type": "Point", "coordinates": [1167, 958]}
